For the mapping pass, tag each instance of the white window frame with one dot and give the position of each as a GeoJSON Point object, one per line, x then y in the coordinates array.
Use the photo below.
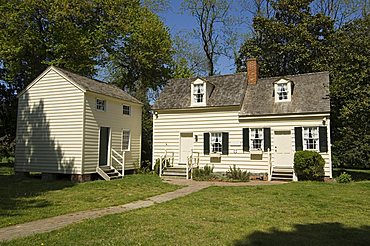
{"type": "Point", "coordinates": [288, 87]}
{"type": "Point", "coordinates": [100, 104]}
{"type": "Point", "coordinates": [255, 139]}
{"type": "Point", "coordinates": [129, 140]}
{"type": "Point", "coordinates": [129, 109]}
{"type": "Point", "coordinates": [198, 93]}
{"type": "Point", "coordinates": [215, 138]}
{"type": "Point", "coordinates": [313, 136]}
{"type": "Point", "coordinates": [194, 94]}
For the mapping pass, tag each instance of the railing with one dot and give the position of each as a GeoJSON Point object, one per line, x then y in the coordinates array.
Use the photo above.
{"type": "Point", "coordinates": [165, 161]}
{"type": "Point", "coordinates": [192, 159]}
{"type": "Point", "coordinates": [270, 164]}
{"type": "Point", "coordinates": [120, 159]}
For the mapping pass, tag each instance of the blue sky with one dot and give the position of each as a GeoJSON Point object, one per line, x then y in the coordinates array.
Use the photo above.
{"type": "Point", "coordinates": [179, 22]}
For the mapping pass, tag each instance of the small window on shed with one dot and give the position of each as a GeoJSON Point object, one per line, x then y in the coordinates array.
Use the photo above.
{"type": "Point", "coordinates": [126, 110]}
{"type": "Point", "coordinates": [126, 140]}
{"type": "Point", "coordinates": [100, 104]}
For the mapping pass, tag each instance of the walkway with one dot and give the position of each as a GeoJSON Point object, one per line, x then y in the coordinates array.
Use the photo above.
{"type": "Point", "coordinates": [58, 222]}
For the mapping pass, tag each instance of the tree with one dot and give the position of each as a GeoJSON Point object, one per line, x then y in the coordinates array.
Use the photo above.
{"type": "Point", "coordinates": [141, 65]}
{"type": "Point", "coordinates": [350, 94]}
{"type": "Point", "coordinates": [81, 36]}
{"type": "Point", "coordinates": [211, 16]}
{"type": "Point", "coordinates": [293, 41]}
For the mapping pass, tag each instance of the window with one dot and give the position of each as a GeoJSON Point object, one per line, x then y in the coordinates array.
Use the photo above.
{"type": "Point", "coordinates": [198, 93]}
{"type": "Point", "coordinates": [256, 138]}
{"type": "Point", "coordinates": [126, 140]}
{"type": "Point", "coordinates": [126, 110]}
{"type": "Point", "coordinates": [100, 104]}
{"type": "Point", "coordinates": [216, 142]}
{"type": "Point", "coordinates": [311, 138]}
{"type": "Point", "coordinates": [282, 92]}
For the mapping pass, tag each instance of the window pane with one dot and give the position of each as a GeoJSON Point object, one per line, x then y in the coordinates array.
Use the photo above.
{"type": "Point", "coordinates": [256, 138]}
{"type": "Point", "coordinates": [126, 110]}
{"type": "Point", "coordinates": [125, 140]}
{"type": "Point", "coordinates": [216, 142]}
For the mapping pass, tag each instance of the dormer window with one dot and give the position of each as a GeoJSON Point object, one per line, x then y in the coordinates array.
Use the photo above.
{"type": "Point", "coordinates": [283, 90]}
{"type": "Point", "coordinates": [198, 93]}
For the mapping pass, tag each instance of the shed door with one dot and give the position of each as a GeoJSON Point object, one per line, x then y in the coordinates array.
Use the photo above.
{"type": "Point", "coordinates": [283, 148]}
{"type": "Point", "coordinates": [104, 146]}
{"type": "Point", "coordinates": [186, 146]}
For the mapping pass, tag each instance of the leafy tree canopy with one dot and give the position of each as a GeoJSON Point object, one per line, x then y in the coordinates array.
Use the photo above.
{"type": "Point", "coordinates": [293, 41]}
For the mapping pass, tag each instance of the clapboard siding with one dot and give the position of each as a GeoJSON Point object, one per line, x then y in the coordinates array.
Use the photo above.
{"type": "Point", "coordinates": [167, 127]}
{"type": "Point", "coordinates": [117, 122]}
{"type": "Point", "coordinates": [49, 127]}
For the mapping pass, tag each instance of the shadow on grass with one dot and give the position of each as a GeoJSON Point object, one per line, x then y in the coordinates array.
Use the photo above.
{"type": "Point", "coordinates": [310, 234]}
{"type": "Point", "coordinates": [19, 193]}
{"type": "Point", "coordinates": [357, 175]}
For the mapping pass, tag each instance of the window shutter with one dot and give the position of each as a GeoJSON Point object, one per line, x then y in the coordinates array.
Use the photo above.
{"type": "Point", "coordinates": [323, 138]}
{"type": "Point", "coordinates": [246, 139]}
{"type": "Point", "coordinates": [266, 138]}
{"type": "Point", "coordinates": [225, 143]}
{"type": "Point", "coordinates": [298, 138]}
{"type": "Point", "coordinates": [206, 143]}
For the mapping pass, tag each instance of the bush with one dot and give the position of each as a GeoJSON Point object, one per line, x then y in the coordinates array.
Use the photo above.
{"type": "Point", "coordinates": [205, 173]}
{"type": "Point", "coordinates": [237, 174]}
{"type": "Point", "coordinates": [309, 165]}
{"type": "Point", "coordinates": [344, 178]}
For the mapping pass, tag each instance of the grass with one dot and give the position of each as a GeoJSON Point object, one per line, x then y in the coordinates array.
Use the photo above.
{"type": "Point", "coordinates": [299, 213]}
{"type": "Point", "coordinates": [356, 174]}
{"type": "Point", "coordinates": [27, 199]}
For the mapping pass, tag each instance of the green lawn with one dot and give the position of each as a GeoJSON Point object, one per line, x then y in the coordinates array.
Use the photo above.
{"type": "Point", "coordinates": [27, 199]}
{"type": "Point", "coordinates": [300, 213]}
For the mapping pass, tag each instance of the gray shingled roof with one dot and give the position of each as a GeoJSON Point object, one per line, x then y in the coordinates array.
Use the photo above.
{"type": "Point", "coordinates": [310, 95]}
{"type": "Point", "coordinates": [99, 86]}
{"type": "Point", "coordinates": [228, 91]}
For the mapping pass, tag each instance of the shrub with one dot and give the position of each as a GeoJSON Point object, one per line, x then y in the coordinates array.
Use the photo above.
{"type": "Point", "coordinates": [237, 174]}
{"type": "Point", "coordinates": [344, 178]}
{"type": "Point", "coordinates": [205, 173]}
{"type": "Point", "coordinates": [308, 165]}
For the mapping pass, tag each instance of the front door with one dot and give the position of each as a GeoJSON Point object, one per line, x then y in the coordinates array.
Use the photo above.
{"type": "Point", "coordinates": [186, 146]}
{"type": "Point", "coordinates": [283, 148]}
{"type": "Point", "coordinates": [104, 146]}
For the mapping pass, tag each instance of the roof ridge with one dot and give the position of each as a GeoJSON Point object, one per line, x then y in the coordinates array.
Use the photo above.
{"type": "Point", "coordinates": [294, 75]}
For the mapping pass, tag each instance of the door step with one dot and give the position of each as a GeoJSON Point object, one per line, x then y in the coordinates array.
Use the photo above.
{"type": "Point", "coordinates": [108, 172]}
{"type": "Point", "coordinates": [174, 172]}
{"type": "Point", "coordinates": [282, 173]}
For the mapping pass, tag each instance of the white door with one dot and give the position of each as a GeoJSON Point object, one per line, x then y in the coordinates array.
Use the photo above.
{"type": "Point", "coordinates": [186, 146]}
{"type": "Point", "coordinates": [283, 148]}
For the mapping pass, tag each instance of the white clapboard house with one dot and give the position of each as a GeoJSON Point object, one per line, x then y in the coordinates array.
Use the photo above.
{"type": "Point", "coordinates": [70, 124]}
{"type": "Point", "coordinates": [254, 123]}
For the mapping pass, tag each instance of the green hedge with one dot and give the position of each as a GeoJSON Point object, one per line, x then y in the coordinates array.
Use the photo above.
{"type": "Point", "coordinates": [309, 165]}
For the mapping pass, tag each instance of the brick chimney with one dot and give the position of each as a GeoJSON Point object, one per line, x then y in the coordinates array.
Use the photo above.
{"type": "Point", "coordinates": [252, 71]}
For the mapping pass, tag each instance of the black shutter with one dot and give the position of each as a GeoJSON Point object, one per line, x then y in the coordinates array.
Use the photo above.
{"type": "Point", "coordinates": [206, 143]}
{"type": "Point", "coordinates": [266, 139]}
{"type": "Point", "coordinates": [225, 143]}
{"type": "Point", "coordinates": [323, 138]}
{"type": "Point", "coordinates": [246, 139]}
{"type": "Point", "coordinates": [298, 138]}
